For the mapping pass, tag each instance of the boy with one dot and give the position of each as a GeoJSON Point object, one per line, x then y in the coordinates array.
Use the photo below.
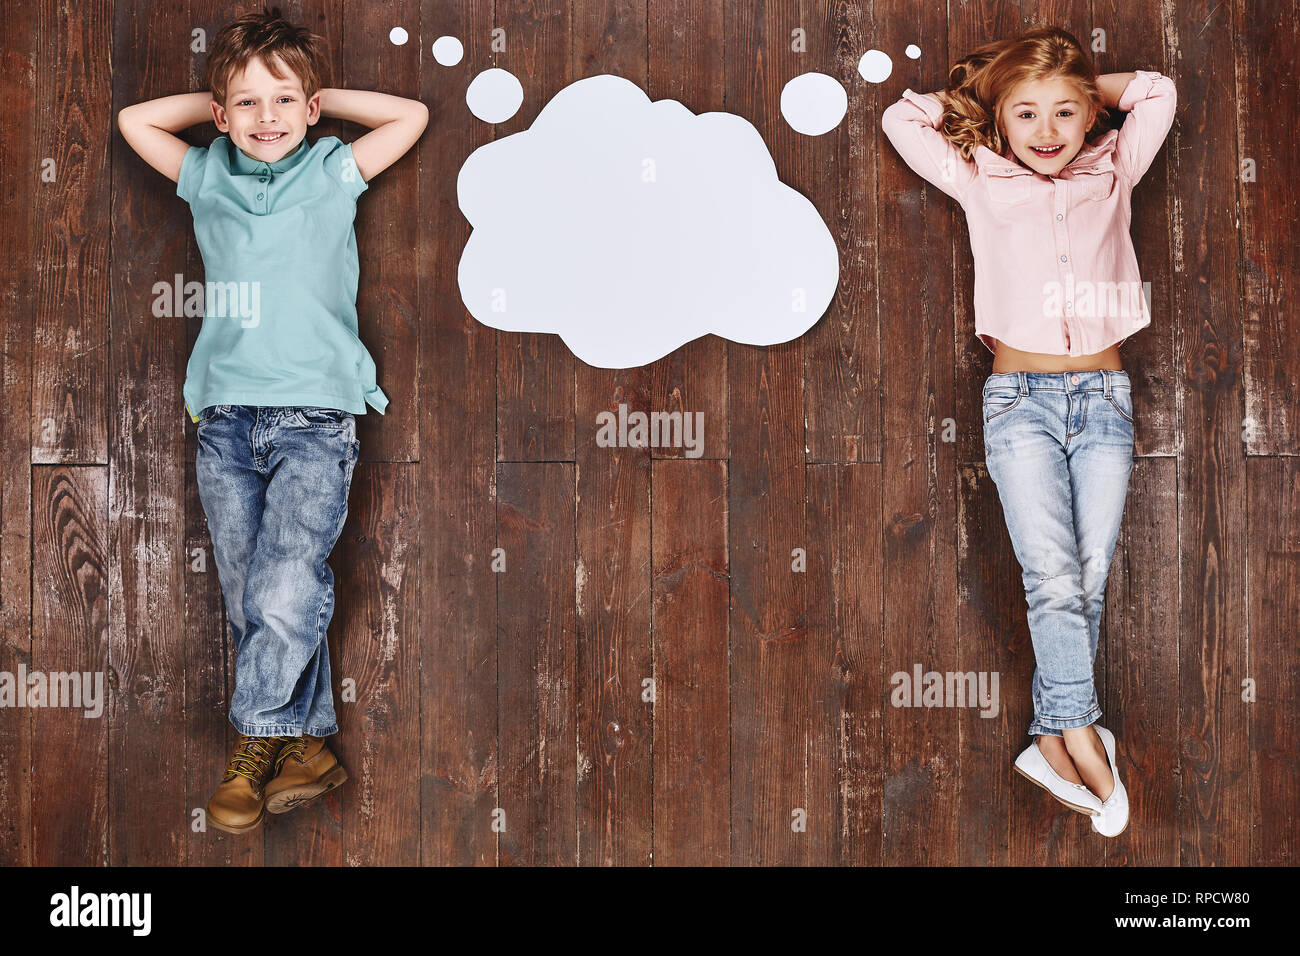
{"type": "Point", "coordinates": [276, 375]}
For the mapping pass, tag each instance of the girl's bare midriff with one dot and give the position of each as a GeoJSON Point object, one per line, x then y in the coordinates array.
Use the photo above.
{"type": "Point", "coordinates": [1008, 359]}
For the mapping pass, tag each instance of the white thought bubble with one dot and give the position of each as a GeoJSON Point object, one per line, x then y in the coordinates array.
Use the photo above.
{"type": "Point", "coordinates": [630, 228]}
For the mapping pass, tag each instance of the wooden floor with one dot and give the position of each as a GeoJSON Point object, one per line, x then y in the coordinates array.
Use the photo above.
{"type": "Point", "coordinates": [652, 679]}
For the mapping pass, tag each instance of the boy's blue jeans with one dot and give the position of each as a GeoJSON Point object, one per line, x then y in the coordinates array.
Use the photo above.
{"type": "Point", "coordinates": [274, 482]}
{"type": "Point", "coordinates": [1059, 447]}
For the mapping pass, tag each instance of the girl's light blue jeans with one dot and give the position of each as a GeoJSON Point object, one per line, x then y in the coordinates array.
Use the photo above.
{"type": "Point", "coordinates": [1059, 447]}
{"type": "Point", "coordinates": [274, 483]}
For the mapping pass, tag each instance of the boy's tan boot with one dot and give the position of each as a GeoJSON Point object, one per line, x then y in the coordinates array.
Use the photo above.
{"type": "Point", "coordinates": [239, 802]}
{"type": "Point", "coordinates": [306, 769]}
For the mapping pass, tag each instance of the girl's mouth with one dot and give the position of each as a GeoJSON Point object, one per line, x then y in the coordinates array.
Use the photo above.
{"type": "Point", "coordinates": [268, 138]}
{"type": "Point", "coordinates": [1047, 152]}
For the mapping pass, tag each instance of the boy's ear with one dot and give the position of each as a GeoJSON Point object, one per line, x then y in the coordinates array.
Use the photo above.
{"type": "Point", "coordinates": [313, 109]}
{"type": "Point", "coordinates": [219, 116]}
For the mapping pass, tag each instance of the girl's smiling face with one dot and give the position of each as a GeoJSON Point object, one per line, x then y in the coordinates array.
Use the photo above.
{"type": "Point", "coordinates": [265, 116]}
{"type": "Point", "coordinates": [1038, 115]}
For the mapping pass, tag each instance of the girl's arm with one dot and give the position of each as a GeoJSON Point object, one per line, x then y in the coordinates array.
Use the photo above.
{"type": "Point", "coordinates": [912, 125]}
{"type": "Point", "coordinates": [1150, 99]}
{"type": "Point", "coordinates": [396, 123]}
{"type": "Point", "coordinates": [148, 128]}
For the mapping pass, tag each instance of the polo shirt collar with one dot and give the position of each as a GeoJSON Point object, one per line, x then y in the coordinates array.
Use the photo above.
{"type": "Point", "coordinates": [245, 165]}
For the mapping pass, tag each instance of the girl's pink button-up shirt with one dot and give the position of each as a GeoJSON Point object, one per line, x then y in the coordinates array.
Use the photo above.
{"type": "Point", "coordinates": [1055, 269]}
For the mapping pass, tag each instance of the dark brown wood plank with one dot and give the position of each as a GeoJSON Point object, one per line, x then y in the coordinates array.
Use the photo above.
{"type": "Point", "coordinates": [18, 47]}
{"type": "Point", "coordinates": [915, 234]}
{"type": "Point", "coordinates": [540, 763]}
{"type": "Point", "coordinates": [388, 225]}
{"type": "Point", "coordinates": [614, 652]}
{"type": "Point", "coordinates": [1134, 33]}
{"type": "Point", "coordinates": [458, 416]}
{"type": "Point", "coordinates": [535, 370]}
{"type": "Point", "coordinates": [691, 709]}
{"type": "Point", "coordinates": [687, 65]}
{"type": "Point", "coordinates": [770, 681]}
{"type": "Point", "coordinates": [1214, 806]}
{"type": "Point", "coordinates": [70, 634]}
{"type": "Point", "coordinates": [1266, 34]}
{"type": "Point", "coordinates": [1137, 665]}
{"type": "Point", "coordinates": [1273, 510]}
{"type": "Point", "coordinates": [378, 637]}
{"type": "Point", "coordinates": [1140, 624]}
{"type": "Point", "coordinates": [845, 640]}
{"type": "Point", "coordinates": [842, 351]}
{"type": "Point", "coordinates": [994, 640]}
{"type": "Point", "coordinates": [70, 361]}
{"type": "Point", "coordinates": [148, 807]}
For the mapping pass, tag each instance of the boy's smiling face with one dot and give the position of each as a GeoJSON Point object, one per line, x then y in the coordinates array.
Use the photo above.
{"type": "Point", "coordinates": [265, 116]}
{"type": "Point", "coordinates": [1040, 114]}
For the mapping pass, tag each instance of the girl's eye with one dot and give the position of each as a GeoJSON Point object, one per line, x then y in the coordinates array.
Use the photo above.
{"type": "Point", "coordinates": [1066, 113]}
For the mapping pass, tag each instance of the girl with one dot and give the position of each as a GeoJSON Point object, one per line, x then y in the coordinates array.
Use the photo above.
{"type": "Point", "coordinates": [1057, 291]}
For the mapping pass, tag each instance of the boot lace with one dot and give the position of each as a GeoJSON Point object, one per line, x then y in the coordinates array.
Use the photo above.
{"type": "Point", "coordinates": [253, 756]}
{"type": "Point", "coordinates": [293, 746]}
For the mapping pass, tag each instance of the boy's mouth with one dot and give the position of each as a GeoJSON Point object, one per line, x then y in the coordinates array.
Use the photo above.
{"type": "Point", "coordinates": [1047, 152]}
{"type": "Point", "coordinates": [267, 138]}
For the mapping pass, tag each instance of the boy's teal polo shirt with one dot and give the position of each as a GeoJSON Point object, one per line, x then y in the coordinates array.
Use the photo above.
{"type": "Point", "coordinates": [280, 257]}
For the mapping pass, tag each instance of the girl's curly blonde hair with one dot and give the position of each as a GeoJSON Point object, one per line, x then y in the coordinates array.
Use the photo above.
{"type": "Point", "coordinates": [978, 84]}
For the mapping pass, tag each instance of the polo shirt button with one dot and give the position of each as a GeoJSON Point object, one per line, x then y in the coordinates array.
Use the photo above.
{"type": "Point", "coordinates": [263, 179]}
{"type": "Point", "coordinates": [1059, 216]}
{"type": "Point", "coordinates": [1063, 258]}
{"type": "Point", "coordinates": [260, 195]}
{"type": "Point", "coordinates": [1074, 380]}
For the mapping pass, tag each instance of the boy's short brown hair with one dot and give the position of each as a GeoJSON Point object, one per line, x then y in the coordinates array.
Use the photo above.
{"type": "Point", "coordinates": [266, 35]}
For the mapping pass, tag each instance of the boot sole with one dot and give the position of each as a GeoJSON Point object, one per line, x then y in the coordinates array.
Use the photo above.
{"type": "Point", "coordinates": [294, 797]}
{"type": "Point", "coordinates": [1073, 806]}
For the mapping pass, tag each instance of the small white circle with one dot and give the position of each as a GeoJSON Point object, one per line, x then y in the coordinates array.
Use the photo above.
{"type": "Point", "coordinates": [397, 36]}
{"type": "Point", "coordinates": [814, 103]}
{"type": "Point", "coordinates": [875, 66]}
{"type": "Point", "coordinates": [913, 51]}
{"type": "Point", "coordinates": [448, 51]}
{"type": "Point", "coordinates": [494, 95]}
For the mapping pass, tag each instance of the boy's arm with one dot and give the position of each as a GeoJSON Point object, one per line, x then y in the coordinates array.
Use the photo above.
{"type": "Point", "coordinates": [148, 128]}
{"type": "Point", "coordinates": [396, 123]}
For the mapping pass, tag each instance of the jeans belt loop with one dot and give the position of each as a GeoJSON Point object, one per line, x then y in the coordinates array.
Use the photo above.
{"type": "Point", "coordinates": [1024, 383]}
{"type": "Point", "coordinates": [1105, 381]}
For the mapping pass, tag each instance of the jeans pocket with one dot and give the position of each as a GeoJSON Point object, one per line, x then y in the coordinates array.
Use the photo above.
{"type": "Point", "coordinates": [313, 416]}
{"type": "Point", "coordinates": [212, 411]}
{"type": "Point", "coordinates": [999, 400]}
{"type": "Point", "coordinates": [1121, 399]}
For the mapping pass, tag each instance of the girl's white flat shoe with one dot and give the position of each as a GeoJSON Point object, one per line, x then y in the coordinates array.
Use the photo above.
{"type": "Point", "coordinates": [1114, 809]}
{"type": "Point", "coordinates": [1032, 765]}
